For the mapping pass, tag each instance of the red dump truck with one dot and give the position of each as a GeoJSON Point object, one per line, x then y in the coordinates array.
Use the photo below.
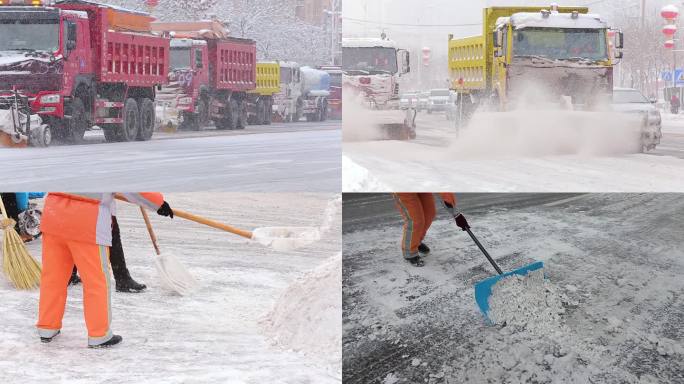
{"type": "Point", "coordinates": [81, 63]}
{"type": "Point", "coordinates": [211, 74]}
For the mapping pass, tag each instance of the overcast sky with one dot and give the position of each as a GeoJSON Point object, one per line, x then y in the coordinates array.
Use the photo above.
{"type": "Point", "coordinates": [400, 18]}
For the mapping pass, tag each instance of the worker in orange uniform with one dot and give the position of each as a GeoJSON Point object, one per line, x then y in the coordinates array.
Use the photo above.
{"type": "Point", "coordinates": [418, 211]}
{"type": "Point", "coordinates": [77, 229]}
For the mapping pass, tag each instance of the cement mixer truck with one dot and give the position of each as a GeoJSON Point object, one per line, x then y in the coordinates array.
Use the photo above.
{"type": "Point", "coordinates": [304, 91]}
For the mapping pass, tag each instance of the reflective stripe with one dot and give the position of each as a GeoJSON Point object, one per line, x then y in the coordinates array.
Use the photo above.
{"type": "Point", "coordinates": [49, 333]}
{"type": "Point", "coordinates": [137, 198]}
{"type": "Point", "coordinates": [104, 263]}
{"type": "Point", "coordinates": [100, 340]}
{"type": "Point", "coordinates": [409, 230]}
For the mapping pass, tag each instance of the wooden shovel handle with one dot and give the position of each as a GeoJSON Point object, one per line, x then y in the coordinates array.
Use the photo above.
{"type": "Point", "coordinates": [212, 223]}
{"type": "Point", "coordinates": [153, 237]}
{"type": "Point", "coordinates": [203, 220]}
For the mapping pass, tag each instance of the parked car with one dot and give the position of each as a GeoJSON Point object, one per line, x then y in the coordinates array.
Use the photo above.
{"type": "Point", "coordinates": [437, 101]}
{"type": "Point", "coordinates": [630, 100]}
{"type": "Point", "coordinates": [423, 100]}
{"type": "Point", "coordinates": [408, 99]}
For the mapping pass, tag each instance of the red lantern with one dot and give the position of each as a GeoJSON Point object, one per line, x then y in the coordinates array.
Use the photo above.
{"type": "Point", "coordinates": [426, 56]}
{"type": "Point", "coordinates": [669, 12]}
{"type": "Point", "coordinates": [669, 30]}
{"type": "Point", "coordinates": [151, 3]}
{"type": "Point", "coordinates": [669, 44]}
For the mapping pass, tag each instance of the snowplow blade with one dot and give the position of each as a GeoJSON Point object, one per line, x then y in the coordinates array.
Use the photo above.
{"type": "Point", "coordinates": [397, 131]}
{"type": "Point", "coordinates": [12, 141]}
{"type": "Point", "coordinates": [483, 289]}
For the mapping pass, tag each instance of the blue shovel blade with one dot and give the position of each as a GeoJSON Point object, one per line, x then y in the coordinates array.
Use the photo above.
{"type": "Point", "coordinates": [483, 289]}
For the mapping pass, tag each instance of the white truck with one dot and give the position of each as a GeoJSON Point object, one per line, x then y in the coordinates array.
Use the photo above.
{"type": "Point", "coordinates": [304, 91]}
{"type": "Point", "coordinates": [371, 69]}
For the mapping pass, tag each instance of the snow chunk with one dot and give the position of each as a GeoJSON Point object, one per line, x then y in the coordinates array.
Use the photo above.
{"type": "Point", "coordinates": [357, 178]}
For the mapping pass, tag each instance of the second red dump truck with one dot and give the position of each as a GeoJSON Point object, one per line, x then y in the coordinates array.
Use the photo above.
{"type": "Point", "coordinates": [80, 63]}
{"type": "Point", "coordinates": [211, 74]}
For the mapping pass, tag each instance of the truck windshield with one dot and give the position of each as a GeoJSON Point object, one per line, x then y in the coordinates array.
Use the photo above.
{"type": "Point", "coordinates": [335, 79]}
{"type": "Point", "coordinates": [369, 59]}
{"type": "Point", "coordinates": [29, 35]}
{"type": "Point", "coordinates": [179, 58]}
{"type": "Point", "coordinates": [560, 43]}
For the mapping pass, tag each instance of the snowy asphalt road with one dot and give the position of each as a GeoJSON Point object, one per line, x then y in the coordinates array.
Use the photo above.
{"type": "Point", "coordinates": [619, 256]}
{"type": "Point", "coordinates": [214, 335]}
{"type": "Point", "coordinates": [303, 157]}
{"type": "Point", "coordinates": [432, 163]}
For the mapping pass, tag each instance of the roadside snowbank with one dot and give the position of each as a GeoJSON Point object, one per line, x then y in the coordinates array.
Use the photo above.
{"type": "Point", "coordinates": [307, 316]}
{"type": "Point", "coordinates": [356, 178]}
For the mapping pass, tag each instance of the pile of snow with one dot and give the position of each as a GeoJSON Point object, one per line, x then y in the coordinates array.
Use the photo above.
{"type": "Point", "coordinates": [307, 316]}
{"type": "Point", "coordinates": [527, 302]}
{"type": "Point", "coordinates": [357, 178]}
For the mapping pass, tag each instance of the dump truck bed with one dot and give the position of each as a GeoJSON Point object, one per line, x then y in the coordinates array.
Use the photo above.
{"type": "Point", "coordinates": [123, 50]}
{"type": "Point", "coordinates": [267, 79]}
{"type": "Point", "coordinates": [234, 64]}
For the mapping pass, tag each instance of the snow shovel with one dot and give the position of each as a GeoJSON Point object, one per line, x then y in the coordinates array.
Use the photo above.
{"type": "Point", "coordinates": [483, 288]}
{"type": "Point", "coordinates": [171, 272]}
{"type": "Point", "coordinates": [278, 238]}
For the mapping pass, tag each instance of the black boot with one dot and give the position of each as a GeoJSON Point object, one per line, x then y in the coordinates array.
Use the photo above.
{"type": "Point", "coordinates": [127, 284]}
{"type": "Point", "coordinates": [424, 249]}
{"type": "Point", "coordinates": [116, 339]}
{"type": "Point", "coordinates": [416, 261]}
{"type": "Point", "coordinates": [49, 339]}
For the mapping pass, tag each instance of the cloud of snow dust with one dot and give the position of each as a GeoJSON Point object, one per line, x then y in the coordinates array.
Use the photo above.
{"type": "Point", "coordinates": [359, 122]}
{"type": "Point", "coordinates": [537, 128]}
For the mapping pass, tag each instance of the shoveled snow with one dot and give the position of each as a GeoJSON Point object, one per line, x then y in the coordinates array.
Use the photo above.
{"type": "Point", "coordinates": [210, 336]}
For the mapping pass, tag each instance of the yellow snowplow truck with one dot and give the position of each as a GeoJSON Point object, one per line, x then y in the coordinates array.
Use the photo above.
{"type": "Point", "coordinates": [562, 53]}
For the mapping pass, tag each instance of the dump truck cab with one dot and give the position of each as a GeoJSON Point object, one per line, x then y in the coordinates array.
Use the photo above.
{"type": "Point", "coordinates": [288, 102]}
{"type": "Point", "coordinates": [552, 53]}
{"type": "Point", "coordinates": [372, 66]}
{"type": "Point", "coordinates": [189, 75]}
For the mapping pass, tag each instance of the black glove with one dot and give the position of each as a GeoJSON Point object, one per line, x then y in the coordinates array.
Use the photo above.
{"type": "Point", "coordinates": [461, 221]}
{"type": "Point", "coordinates": [165, 210]}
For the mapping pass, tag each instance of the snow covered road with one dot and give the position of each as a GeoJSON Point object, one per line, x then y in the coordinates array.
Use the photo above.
{"type": "Point", "coordinates": [430, 163]}
{"type": "Point", "coordinates": [215, 335]}
{"type": "Point", "coordinates": [302, 160]}
{"type": "Point", "coordinates": [618, 257]}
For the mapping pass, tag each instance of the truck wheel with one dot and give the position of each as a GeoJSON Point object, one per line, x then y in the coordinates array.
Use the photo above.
{"type": "Point", "coordinates": [128, 130]}
{"type": "Point", "coordinates": [311, 117]}
{"type": "Point", "coordinates": [111, 134]}
{"type": "Point", "coordinates": [324, 111]}
{"type": "Point", "coordinates": [190, 122]}
{"type": "Point", "coordinates": [260, 112]}
{"type": "Point", "coordinates": [268, 110]}
{"type": "Point", "coordinates": [241, 115]}
{"type": "Point", "coordinates": [147, 119]}
{"type": "Point", "coordinates": [202, 113]}
{"type": "Point", "coordinates": [77, 124]}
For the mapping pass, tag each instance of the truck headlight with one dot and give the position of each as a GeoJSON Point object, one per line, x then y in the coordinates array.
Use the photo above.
{"type": "Point", "coordinates": [49, 99]}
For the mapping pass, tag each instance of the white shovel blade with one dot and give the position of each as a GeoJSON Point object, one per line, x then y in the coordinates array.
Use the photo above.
{"type": "Point", "coordinates": [173, 275]}
{"type": "Point", "coordinates": [286, 238]}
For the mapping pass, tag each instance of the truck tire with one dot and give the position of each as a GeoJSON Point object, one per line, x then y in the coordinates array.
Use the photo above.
{"type": "Point", "coordinates": [77, 124]}
{"type": "Point", "coordinates": [147, 119]}
{"type": "Point", "coordinates": [128, 130]}
{"type": "Point", "coordinates": [241, 122]}
{"type": "Point", "coordinates": [111, 134]}
{"type": "Point", "coordinates": [202, 113]}
{"type": "Point", "coordinates": [268, 111]}
{"type": "Point", "coordinates": [260, 112]}
{"type": "Point", "coordinates": [324, 110]}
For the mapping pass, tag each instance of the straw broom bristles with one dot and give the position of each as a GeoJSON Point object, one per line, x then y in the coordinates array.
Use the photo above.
{"type": "Point", "coordinates": [18, 265]}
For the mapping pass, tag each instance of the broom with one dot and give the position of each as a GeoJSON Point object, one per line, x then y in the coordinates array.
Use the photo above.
{"type": "Point", "coordinates": [172, 273]}
{"type": "Point", "coordinates": [22, 270]}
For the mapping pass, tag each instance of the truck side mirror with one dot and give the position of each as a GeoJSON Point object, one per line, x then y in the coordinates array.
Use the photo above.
{"type": "Point", "coordinates": [618, 54]}
{"type": "Point", "coordinates": [198, 59]}
{"type": "Point", "coordinates": [70, 45]}
{"type": "Point", "coordinates": [405, 61]}
{"type": "Point", "coordinates": [495, 39]}
{"type": "Point", "coordinates": [619, 40]}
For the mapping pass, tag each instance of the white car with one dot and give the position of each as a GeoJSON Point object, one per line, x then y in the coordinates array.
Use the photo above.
{"type": "Point", "coordinates": [630, 100]}
{"type": "Point", "coordinates": [437, 101]}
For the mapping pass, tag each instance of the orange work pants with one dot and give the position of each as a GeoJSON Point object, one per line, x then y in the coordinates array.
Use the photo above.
{"type": "Point", "coordinates": [92, 260]}
{"type": "Point", "coordinates": [418, 211]}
